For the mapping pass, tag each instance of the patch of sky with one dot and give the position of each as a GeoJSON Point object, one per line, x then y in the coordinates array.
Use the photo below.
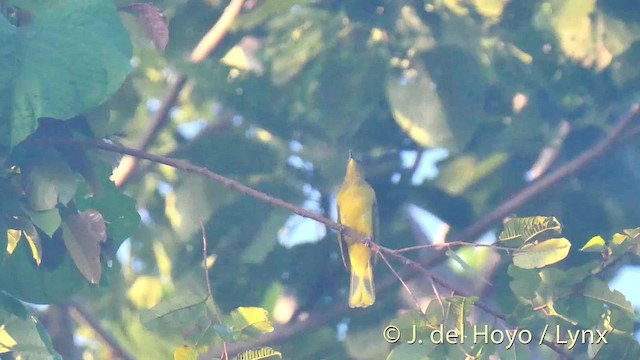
{"type": "Point", "coordinates": [295, 146]}
{"type": "Point", "coordinates": [191, 129]}
{"type": "Point", "coordinates": [298, 163]}
{"type": "Point", "coordinates": [164, 188]}
{"type": "Point", "coordinates": [426, 169]}
{"type": "Point", "coordinates": [153, 105]}
{"type": "Point", "coordinates": [299, 230]}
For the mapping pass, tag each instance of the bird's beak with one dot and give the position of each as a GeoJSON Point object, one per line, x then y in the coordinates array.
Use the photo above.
{"type": "Point", "coordinates": [350, 154]}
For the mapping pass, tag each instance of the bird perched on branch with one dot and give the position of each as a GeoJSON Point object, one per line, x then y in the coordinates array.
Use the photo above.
{"type": "Point", "coordinates": [357, 209]}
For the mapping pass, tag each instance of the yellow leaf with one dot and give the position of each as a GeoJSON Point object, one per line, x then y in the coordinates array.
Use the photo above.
{"type": "Point", "coordinates": [6, 341]}
{"type": "Point", "coordinates": [596, 244]}
{"type": "Point", "coordinates": [145, 292]}
{"type": "Point", "coordinates": [14, 237]}
{"type": "Point", "coordinates": [255, 317]}
{"type": "Point", "coordinates": [185, 353]}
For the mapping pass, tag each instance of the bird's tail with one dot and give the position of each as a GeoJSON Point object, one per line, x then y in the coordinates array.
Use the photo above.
{"type": "Point", "coordinates": [362, 293]}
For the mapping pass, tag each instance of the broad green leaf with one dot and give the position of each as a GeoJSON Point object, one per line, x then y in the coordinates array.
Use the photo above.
{"type": "Point", "coordinates": [82, 234]}
{"type": "Point", "coordinates": [29, 342]}
{"type": "Point", "coordinates": [599, 290]}
{"type": "Point", "coordinates": [460, 308]}
{"type": "Point", "coordinates": [266, 239]}
{"type": "Point", "coordinates": [39, 285]}
{"type": "Point", "coordinates": [13, 306]}
{"type": "Point", "coordinates": [548, 252]}
{"type": "Point", "coordinates": [49, 181]}
{"type": "Point", "coordinates": [39, 79]}
{"type": "Point", "coordinates": [262, 353]}
{"type": "Point", "coordinates": [251, 318]}
{"type": "Point", "coordinates": [468, 270]}
{"type": "Point", "coordinates": [48, 220]}
{"type": "Point", "coordinates": [186, 310]}
{"type": "Point", "coordinates": [450, 180]}
{"type": "Point", "coordinates": [527, 228]}
{"type": "Point", "coordinates": [596, 244]}
{"type": "Point", "coordinates": [418, 110]}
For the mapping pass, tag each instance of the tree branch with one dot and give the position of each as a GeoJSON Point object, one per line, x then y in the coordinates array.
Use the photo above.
{"type": "Point", "coordinates": [467, 235]}
{"type": "Point", "coordinates": [212, 38]}
{"type": "Point", "coordinates": [91, 321]}
{"type": "Point", "coordinates": [128, 163]}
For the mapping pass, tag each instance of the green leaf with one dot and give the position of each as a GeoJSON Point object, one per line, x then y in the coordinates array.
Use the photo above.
{"type": "Point", "coordinates": [527, 228]}
{"type": "Point", "coordinates": [596, 244]}
{"type": "Point", "coordinates": [49, 181]}
{"type": "Point", "coordinates": [13, 306]}
{"type": "Point", "coordinates": [599, 290]}
{"type": "Point", "coordinates": [48, 220]}
{"type": "Point", "coordinates": [266, 239]}
{"type": "Point", "coordinates": [30, 341]}
{"type": "Point", "coordinates": [38, 285]}
{"type": "Point", "coordinates": [460, 308]}
{"type": "Point", "coordinates": [72, 57]}
{"type": "Point", "coordinates": [185, 310]}
{"type": "Point", "coordinates": [476, 170]}
{"type": "Point", "coordinates": [533, 256]}
{"type": "Point", "coordinates": [411, 351]}
{"type": "Point", "coordinates": [262, 353]}
{"type": "Point", "coordinates": [82, 234]}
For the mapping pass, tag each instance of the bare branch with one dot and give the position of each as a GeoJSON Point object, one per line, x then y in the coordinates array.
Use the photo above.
{"type": "Point", "coordinates": [85, 316]}
{"type": "Point", "coordinates": [212, 38]}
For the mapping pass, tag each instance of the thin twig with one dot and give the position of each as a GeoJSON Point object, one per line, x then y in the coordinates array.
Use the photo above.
{"type": "Point", "coordinates": [225, 355]}
{"type": "Point", "coordinates": [212, 38]}
{"type": "Point", "coordinates": [128, 163]}
{"type": "Point", "coordinates": [406, 287]}
{"type": "Point", "coordinates": [94, 323]}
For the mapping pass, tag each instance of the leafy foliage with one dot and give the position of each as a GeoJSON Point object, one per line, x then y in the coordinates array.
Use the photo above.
{"type": "Point", "coordinates": [277, 105]}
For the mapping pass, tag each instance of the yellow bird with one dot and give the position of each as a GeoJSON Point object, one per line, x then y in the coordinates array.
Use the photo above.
{"type": "Point", "coordinates": [357, 209]}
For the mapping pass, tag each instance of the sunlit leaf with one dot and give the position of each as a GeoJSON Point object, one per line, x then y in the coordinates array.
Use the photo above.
{"type": "Point", "coordinates": [251, 318]}
{"type": "Point", "coordinates": [596, 244]}
{"type": "Point", "coordinates": [145, 292]}
{"type": "Point", "coordinates": [538, 255]}
{"type": "Point", "coordinates": [185, 353]}
{"type": "Point", "coordinates": [6, 341]}
{"type": "Point", "coordinates": [262, 353]}
{"type": "Point", "coordinates": [527, 228]}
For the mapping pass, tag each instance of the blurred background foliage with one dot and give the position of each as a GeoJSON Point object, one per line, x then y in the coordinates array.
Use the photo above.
{"type": "Point", "coordinates": [448, 104]}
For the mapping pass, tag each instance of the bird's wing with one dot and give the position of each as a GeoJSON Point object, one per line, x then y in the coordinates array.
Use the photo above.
{"type": "Point", "coordinates": [341, 240]}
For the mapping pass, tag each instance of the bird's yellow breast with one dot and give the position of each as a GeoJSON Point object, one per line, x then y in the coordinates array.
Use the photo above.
{"type": "Point", "coordinates": [356, 207]}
